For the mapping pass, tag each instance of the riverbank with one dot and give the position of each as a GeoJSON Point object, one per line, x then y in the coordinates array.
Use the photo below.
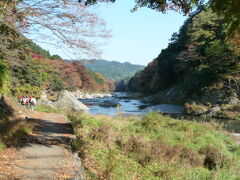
{"type": "Point", "coordinates": [131, 147]}
{"type": "Point", "coordinates": [154, 147]}
{"type": "Point", "coordinates": [206, 105]}
{"type": "Point", "coordinates": [135, 104]}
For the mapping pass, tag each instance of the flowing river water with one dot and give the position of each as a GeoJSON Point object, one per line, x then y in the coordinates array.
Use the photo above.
{"type": "Point", "coordinates": [133, 106]}
{"type": "Point", "coordinates": [127, 106]}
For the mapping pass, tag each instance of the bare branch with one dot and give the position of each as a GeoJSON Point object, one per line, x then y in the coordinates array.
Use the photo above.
{"type": "Point", "coordinates": [72, 23]}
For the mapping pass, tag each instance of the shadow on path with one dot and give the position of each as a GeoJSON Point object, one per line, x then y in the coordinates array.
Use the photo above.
{"type": "Point", "coordinates": [50, 130]}
{"type": "Point", "coordinates": [45, 151]}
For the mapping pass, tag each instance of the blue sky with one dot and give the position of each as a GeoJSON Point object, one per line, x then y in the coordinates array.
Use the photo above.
{"type": "Point", "coordinates": [136, 37]}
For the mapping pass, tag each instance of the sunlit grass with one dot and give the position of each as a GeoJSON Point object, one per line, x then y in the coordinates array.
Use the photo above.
{"type": "Point", "coordinates": [2, 146]}
{"type": "Point", "coordinates": [47, 109]}
{"type": "Point", "coordinates": [154, 147]}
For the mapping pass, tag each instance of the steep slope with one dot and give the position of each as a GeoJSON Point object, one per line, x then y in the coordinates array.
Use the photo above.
{"type": "Point", "coordinates": [26, 69]}
{"type": "Point", "coordinates": [200, 64]}
{"type": "Point", "coordinates": [112, 70]}
{"type": "Point", "coordinates": [71, 76]}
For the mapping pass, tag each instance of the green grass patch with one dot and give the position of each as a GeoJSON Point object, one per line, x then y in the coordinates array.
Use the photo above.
{"type": "Point", "coordinates": [154, 147]}
{"type": "Point", "coordinates": [47, 109]}
{"type": "Point", "coordinates": [2, 146]}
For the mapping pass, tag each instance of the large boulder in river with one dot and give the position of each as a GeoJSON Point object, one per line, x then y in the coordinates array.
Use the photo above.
{"type": "Point", "coordinates": [109, 103]}
{"type": "Point", "coordinates": [67, 101]}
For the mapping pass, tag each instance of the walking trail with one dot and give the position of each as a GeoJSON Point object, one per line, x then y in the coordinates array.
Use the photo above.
{"type": "Point", "coordinates": [47, 154]}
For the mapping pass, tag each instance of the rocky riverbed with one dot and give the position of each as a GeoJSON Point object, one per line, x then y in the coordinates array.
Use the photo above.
{"type": "Point", "coordinates": [109, 104]}
{"type": "Point", "coordinates": [125, 103]}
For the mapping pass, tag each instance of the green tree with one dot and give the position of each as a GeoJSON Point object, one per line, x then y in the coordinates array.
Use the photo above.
{"type": "Point", "coordinates": [55, 57]}
{"type": "Point", "coordinates": [200, 57]}
{"type": "Point", "coordinates": [229, 9]}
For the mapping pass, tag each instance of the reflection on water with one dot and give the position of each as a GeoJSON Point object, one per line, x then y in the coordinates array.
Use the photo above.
{"type": "Point", "coordinates": [138, 107]}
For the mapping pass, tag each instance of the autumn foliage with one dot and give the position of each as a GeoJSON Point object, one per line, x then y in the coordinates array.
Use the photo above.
{"type": "Point", "coordinates": [200, 58]}
{"type": "Point", "coordinates": [75, 76]}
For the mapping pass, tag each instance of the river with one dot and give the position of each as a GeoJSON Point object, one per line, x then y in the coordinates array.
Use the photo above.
{"type": "Point", "coordinates": [131, 106]}
{"type": "Point", "coordinates": [128, 106]}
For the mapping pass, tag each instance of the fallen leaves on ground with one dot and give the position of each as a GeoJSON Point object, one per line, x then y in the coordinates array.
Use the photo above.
{"type": "Point", "coordinates": [67, 169]}
{"type": "Point", "coordinates": [10, 161]}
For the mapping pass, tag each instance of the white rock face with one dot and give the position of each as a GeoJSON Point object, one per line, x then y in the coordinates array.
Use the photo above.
{"type": "Point", "coordinates": [65, 101]}
{"type": "Point", "coordinates": [68, 100]}
{"type": "Point", "coordinates": [214, 110]}
{"type": "Point", "coordinates": [78, 94]}
{"type": "Point", "coordinates": [81, 95]}
{"type": "Point", "coordinates": [44, 101]}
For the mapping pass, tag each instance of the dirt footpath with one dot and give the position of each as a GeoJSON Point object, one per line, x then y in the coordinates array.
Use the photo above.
{"type": "Point", "coordinates": [46, 155]}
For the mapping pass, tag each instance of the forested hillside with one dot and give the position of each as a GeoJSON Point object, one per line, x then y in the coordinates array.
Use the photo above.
{"type": "Point", "coordinates": [27, 69]}
{"type": "Point", "coordinates": [200, 64]}
{"type": "Point", "coordinates": [112, 70]}
{"type": "Point", "coordinates": [40, 51]}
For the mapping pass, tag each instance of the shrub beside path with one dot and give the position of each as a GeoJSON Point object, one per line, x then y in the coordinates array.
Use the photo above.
{"type": "Point", "coordinates": [46, 153]}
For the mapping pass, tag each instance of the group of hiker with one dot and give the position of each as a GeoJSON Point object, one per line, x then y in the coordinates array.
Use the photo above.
{"type": "Point", "coordinates": [30, 102]}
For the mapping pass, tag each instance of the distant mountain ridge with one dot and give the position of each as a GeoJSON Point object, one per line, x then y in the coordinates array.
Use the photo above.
{"type": "Point", "coordinates": [112, 70]}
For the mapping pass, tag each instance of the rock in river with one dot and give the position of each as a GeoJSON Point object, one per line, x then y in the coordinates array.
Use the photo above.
{"type": "Point", "coordinates": [108, 103]}
{"type": "Point", "coordinates": [214, 110]}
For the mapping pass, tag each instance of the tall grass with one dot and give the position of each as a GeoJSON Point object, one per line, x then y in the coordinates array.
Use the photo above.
{"type": "Point", "coordinates": [154, 147]}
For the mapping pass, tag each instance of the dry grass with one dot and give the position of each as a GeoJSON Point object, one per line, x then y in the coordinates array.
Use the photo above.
{"type": "Point", "coordinates": [213, 158]}
{"type": "Point", "coordinates": [154, 147]}
{"type": "Point", "coordinates": [195, 109]}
